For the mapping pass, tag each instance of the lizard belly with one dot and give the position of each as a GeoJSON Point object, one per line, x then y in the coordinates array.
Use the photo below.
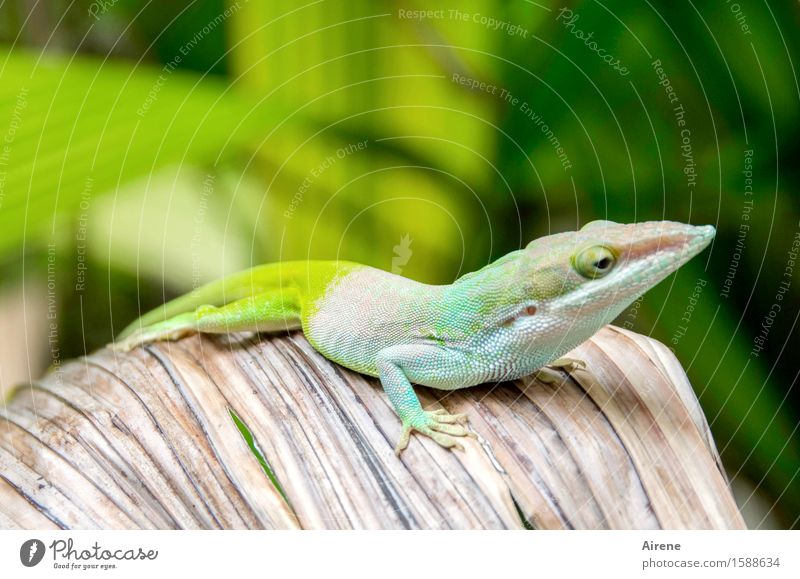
{"type": "Point", "coordinates": [366, 311]}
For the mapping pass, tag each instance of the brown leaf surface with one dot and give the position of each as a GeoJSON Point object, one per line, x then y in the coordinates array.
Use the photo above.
{"type": "Point", "coordinates": [146, 440]}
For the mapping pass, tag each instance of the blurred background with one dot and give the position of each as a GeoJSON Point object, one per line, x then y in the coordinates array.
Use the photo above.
{"type": "Point", "coordinates": [146, 148]}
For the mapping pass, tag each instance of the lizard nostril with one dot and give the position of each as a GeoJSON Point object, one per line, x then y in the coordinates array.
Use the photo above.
{"type": "Point", "coordinates": [530, 310]}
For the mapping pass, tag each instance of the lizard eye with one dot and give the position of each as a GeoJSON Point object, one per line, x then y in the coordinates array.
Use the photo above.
{"type": "Point", "coordinates": [595, 261]}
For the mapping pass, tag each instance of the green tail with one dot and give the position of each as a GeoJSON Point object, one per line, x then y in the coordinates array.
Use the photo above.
{"type": "Point", "coordinates": [309, 277]}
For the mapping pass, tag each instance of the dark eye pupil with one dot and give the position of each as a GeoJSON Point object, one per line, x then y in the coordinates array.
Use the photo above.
{"type": "Point", "coordinates": [603, 263]}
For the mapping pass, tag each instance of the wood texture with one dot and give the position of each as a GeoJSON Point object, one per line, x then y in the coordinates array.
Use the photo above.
{"type": "Point", "coordinates": [147, 440]}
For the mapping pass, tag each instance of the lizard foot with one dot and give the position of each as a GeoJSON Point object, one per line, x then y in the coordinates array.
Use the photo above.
{"type": "Point", "coordinates": [439, 425]}
{"type": "Point", "coordinates": [549, 375]}
{"type": "Point", "coordinates": [568, 364]}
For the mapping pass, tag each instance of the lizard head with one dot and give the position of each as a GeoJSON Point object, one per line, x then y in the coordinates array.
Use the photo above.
{"type": "Point", "coordinates": [573, 283]}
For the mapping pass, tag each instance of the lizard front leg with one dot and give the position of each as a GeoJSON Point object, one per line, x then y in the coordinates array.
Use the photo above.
{"type": "Point", "coordinates": [395, 365]}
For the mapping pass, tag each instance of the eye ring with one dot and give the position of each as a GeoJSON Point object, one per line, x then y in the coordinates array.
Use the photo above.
{"type": "Point", "coordinates": [595, 262]}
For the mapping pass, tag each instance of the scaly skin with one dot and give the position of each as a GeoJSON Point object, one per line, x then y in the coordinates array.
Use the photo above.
{"type": "Point", "coordinates": [512, 318]}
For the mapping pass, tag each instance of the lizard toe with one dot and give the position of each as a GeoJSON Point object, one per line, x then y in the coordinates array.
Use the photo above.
{"type": "Point", "coordinates": [548, 375]}
{"type": "Point", "coordinates": [442, 416]}
{"type": "Point", "coordinates": [438, 425]}
{"type": "Point", "coordinates": [451, 429]}
{"type": "Point", "coordinates": [404, 438]}
{"type": "Point", "coordinates": [568, 364]}
{"type": "Point", "coordinates": [442, 439]}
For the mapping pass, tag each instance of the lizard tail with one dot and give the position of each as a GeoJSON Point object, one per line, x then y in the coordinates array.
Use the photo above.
{"type": "Point", "coordinates": [310, 278]}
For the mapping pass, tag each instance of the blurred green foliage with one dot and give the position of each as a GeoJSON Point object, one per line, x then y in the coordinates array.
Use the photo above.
{"type": "Point", "coordinates": [164, 144]}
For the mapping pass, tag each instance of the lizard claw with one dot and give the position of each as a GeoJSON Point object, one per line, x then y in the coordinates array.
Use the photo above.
{"type": "Point", "coordinates": [439, 425]}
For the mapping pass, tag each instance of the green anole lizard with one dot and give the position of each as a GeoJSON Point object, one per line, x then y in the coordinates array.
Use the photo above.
{"type": "Point", "coordinates": [516, 316]}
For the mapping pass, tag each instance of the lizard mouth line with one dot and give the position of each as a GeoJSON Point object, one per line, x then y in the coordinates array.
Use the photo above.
{"type": "Point", "coordinates": [685, 245]}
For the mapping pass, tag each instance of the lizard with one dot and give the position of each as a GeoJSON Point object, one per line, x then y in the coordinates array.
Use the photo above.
{"type": "Point", "coordinates": [514, 317]}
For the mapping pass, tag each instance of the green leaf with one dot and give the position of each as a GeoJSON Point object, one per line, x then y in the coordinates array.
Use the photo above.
{"type": "Point", "coordinates": [79, 127]}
